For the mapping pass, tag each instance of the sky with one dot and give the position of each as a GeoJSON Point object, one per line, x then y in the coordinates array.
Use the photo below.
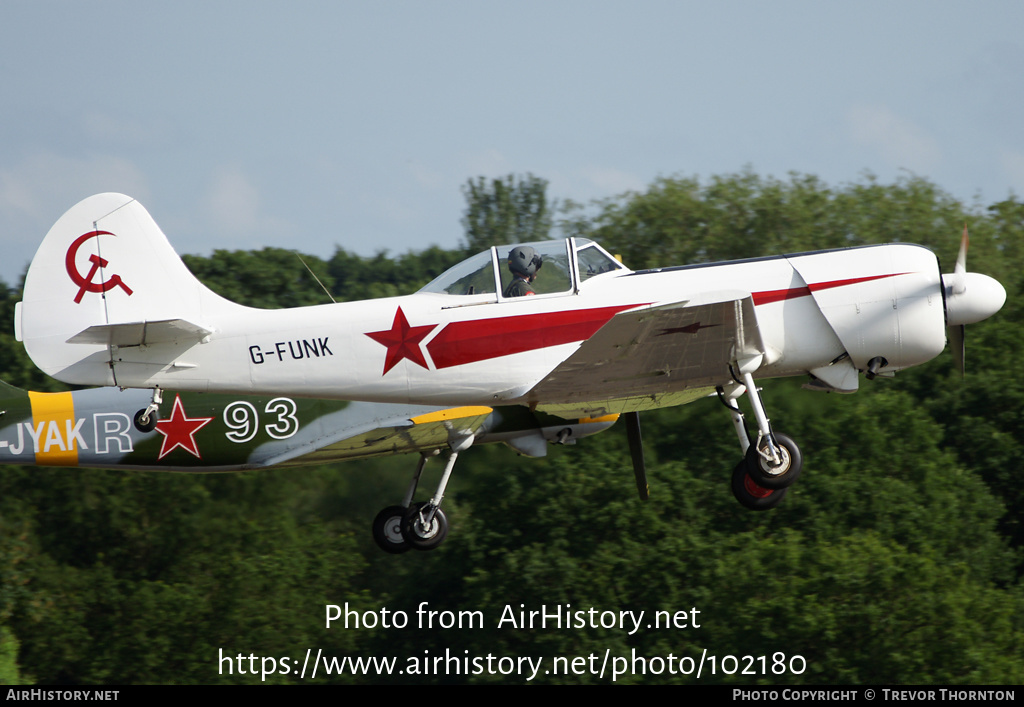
{"type": "Point", "coordinates": [313, 125]}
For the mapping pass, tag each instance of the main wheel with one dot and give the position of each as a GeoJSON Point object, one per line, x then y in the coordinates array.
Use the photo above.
{"type": "Point", "coordinates": [387, 530]}
{"type": "Point", "coordinates": [147, 426]}
{"type": "Point", "coordinates": [421, 535]}
{"type": "Point", "coordinates": [750, 494]}
{"type": "Point", "coordinates": [781, 475]}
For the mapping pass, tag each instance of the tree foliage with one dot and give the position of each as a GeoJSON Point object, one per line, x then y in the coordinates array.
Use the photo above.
{"type": "Point", "coordinates": [508, 210]}
{"type": "Point", "coordinates": [896, 558]}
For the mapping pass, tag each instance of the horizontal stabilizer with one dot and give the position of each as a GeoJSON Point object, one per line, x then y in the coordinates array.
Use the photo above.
{"type": "Point", "coordinates": [141, 333]}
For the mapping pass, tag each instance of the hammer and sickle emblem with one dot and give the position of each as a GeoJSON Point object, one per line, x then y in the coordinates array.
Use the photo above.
{"type": "Point", "coordinates": [86, 284]}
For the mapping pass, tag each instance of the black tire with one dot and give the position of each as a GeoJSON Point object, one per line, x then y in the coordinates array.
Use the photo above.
{"type": "Point", "coordinates": [149, 426]}
{"type": "Point", "coordinates": [752, 495]}
{"type": "Point", "coordinates": [779, 477]}
{"type": "Point", "coordinates": [387, 530]}
{"type": "Point", "coordinates": [420, 537]}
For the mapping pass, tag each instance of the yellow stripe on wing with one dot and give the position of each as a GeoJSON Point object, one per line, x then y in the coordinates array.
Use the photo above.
{"type": "Point", "coordinates": [603, 418]}
{"type": "Point", "coordinates": [452, 414]}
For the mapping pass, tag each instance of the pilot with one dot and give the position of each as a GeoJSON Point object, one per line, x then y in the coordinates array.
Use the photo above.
{"type": "Point", "coordinates": [524, 262]}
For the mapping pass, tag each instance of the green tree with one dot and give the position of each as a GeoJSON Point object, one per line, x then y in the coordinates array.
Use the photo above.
{"type": "Point", "coordinates": [508, 210]}
{"type": "Point", "coordinates": [894, 558]}
{"type": "Point", "coordinates": [679, 220]}
{"type": "Point", "coordinates": [270, 278]}
{"type": "Point", "coordinates": [151, 578]}
{"type": "Point", "coordinates": [15, 575]}
{"type": "Point", "coordinates": [357, 277]}
{"type": "Point", "coordinates": [884, 562]}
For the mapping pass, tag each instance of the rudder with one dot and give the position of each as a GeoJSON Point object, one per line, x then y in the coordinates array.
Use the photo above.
{"type": "Point", "coordinates": [104, 270]}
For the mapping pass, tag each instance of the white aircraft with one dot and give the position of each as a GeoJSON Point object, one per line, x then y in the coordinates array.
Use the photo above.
{"type": "Point", "coordinates": [108, 302]}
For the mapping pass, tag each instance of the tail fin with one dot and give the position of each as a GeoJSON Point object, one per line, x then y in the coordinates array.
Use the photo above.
{"type": "Point", "coordinates": [106, 277]}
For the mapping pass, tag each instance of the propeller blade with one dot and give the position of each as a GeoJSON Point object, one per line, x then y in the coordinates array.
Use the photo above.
{"type": "Point", "coordinates": [960, 269]}
{"type": "Point", "coordinates": [969, 297]}
{"type": "Point", "coordinates": [636, 451]}
{"type": "Point", "coordinates": [956, 345]}
{"type": "Point", "coordinates": [957, 332]}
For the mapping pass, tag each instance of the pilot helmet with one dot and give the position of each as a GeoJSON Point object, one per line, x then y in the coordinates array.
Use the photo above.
{"type": "Point", "coordinates": [524, 260]}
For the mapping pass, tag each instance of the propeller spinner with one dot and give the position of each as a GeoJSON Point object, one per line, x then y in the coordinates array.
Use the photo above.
{"type": "Point", "coordinates": [970, 297]}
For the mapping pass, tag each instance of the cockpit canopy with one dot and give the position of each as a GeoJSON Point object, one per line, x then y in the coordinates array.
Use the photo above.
{"type": "Point", "coordinates": [566, 264]}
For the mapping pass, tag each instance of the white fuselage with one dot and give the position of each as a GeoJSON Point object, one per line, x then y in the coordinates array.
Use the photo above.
{"type": "Point", "coordinates": [443, 349]}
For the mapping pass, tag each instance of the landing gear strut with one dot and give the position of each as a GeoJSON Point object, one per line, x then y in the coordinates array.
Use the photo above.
{"type": "Point", "coordinates": [145, 419]}
{"type": "Point", "coordinates": [423, 525]}
{"type": "Point", "coordinates": [771, 474]}
{"type": "Point", "coordinates": [771, 462]}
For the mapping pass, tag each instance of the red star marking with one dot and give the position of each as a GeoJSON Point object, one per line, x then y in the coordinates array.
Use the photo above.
{"type": "Point", "coordinates": [402, 341]}
{"type": "Point", "coordinates": [180, 430]}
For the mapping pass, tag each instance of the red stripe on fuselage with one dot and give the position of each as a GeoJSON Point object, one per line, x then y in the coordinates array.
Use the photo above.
{"type": "Point", "coordinates": [478, 340]}
{"type": "Point", "coordinates": [464, 342]}
{"type": "Point", "coordinates": [778, 295]}
{"type": "Point", "coordinates": [770, 296]}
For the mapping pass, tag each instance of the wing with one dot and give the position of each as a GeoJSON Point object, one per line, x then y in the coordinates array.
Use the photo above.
{"type": "Point", "coordinates": [663, 354]}
{"type": "Point", "coordinates": [423, 430]}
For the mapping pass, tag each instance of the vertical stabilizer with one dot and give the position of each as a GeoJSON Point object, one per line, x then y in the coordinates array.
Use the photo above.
{"type": "Point", "coordinates": [105, 276]}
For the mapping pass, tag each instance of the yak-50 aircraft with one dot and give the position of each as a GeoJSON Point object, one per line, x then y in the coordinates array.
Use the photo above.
{"type": "Point", "coordinates": [107, 301]}
{"type": "Point", "coordinates": [112, 429]}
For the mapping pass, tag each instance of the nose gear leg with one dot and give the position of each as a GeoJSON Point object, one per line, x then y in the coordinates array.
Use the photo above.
{"type": "Point", "coordinates": [771, 461]}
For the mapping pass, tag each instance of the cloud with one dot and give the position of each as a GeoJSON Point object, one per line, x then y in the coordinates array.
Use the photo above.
{"type": "Point", "coordinates": [37, 190]}
{"type": "Point", "coordinates": [233, 203]}
{"type": "Point", "coordinates": [235, 208]}
{"type": "Point", "coordinates": [426, 177]}
{"type": "Point", "coordinates": [487, 163]}
{"type": "Point", "coordinates": [118, 130]}
{"type": "Point", "coordinates": [608, 180]}
{"type": "Point", "coordinates": [1013, 166]}
{"type": "Point", "coordinates": [43, 186]}
{"type": "Point", "coordinates": [900, 142]}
